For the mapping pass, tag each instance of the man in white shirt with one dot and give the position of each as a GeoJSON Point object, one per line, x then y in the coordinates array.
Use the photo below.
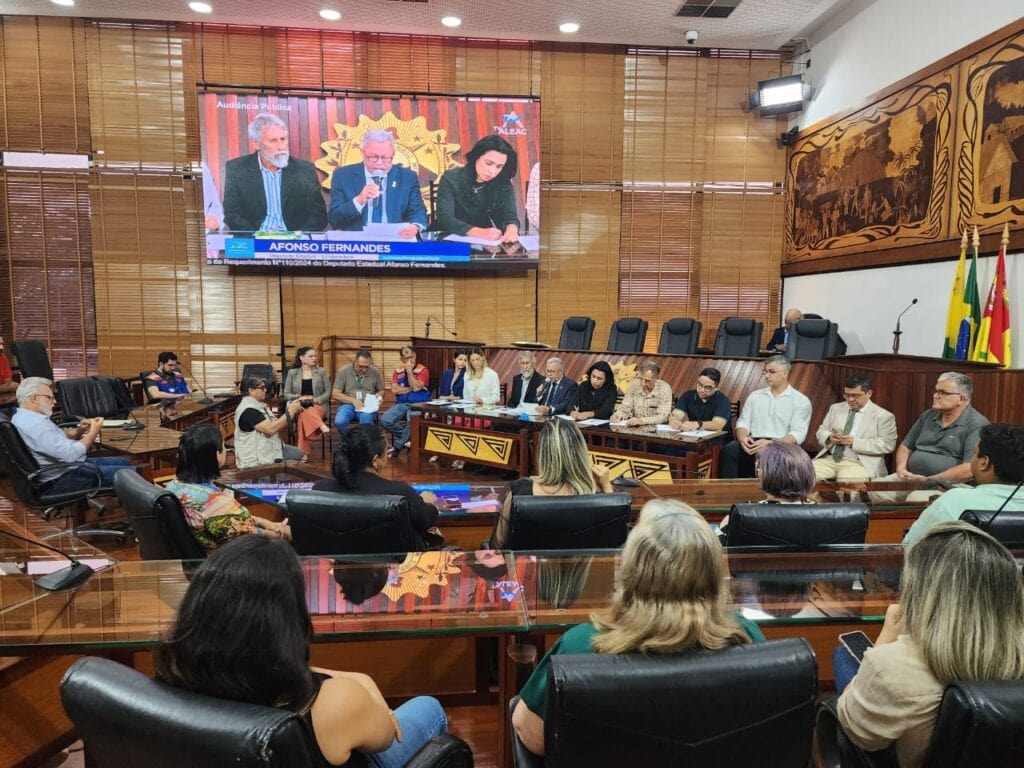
{"type": "Point", "coordinates": [774, 412]}
{"type": "Point", "coordinates": [855, 436]}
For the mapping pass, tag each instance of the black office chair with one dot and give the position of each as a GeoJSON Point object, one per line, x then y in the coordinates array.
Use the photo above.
{"type": "Point", "coordinates": [325, 523]}
{"type": "Point", "coordinates": [796, 525]}
{"type": "Point", "coordinates": [32, 491]}
{"type": "Point", "coordinates": [978, 724]}
{"type": "Point", "coordinates": [738, 337]}
{"type": "Point", "coordinates": [599, 521]}
{"type": "Point", "coordinates": [87, 397]}
{"type": "Point", "coordinates": [577, 333]}
{"type": "Point", "coordinates": [680, 336]}
{"type": "Point", "coordinates": [265, 371]}
{"type": "Point", "coordinates": [627, 335]}
{"type": "Point", "coordinates": [128, 719]}
{"type": "Point", "coordinates": [814, 339]}
{"type": "Point", "coordinates": [748, 705]}
{"type": "Point", "coordinates": [32, 359]}
{"type": "Point", "coordinates": [1007, 527]}
{"type": "Point", "coordinates": [157, 519]}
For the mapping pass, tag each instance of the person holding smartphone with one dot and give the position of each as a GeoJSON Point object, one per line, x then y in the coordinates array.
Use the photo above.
{"type": "Point", "coordinates": [309, 384]}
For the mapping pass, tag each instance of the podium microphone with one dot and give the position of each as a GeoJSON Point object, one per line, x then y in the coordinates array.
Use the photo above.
{"type": "Point", "coordinates": [431, 317]}
{"type": "Point", "coordinates": [206, 399]}
{"type": "Point", "coordinates": [65, 578]}
{"type": "Point", "coordinates": [897, 333]}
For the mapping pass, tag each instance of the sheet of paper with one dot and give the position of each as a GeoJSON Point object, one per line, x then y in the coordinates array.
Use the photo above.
{"type": "Point", "coordinates": [385, 232]}
{"type": "Point", "coordinates": [530, 242]}
{"type": "Point", "coordinates": [116, 422]}
{"type": "Point", "coordinates": [41, 567]}
{"type": "Point", "coordinates": [666, 428]}
{"type": "Point", "coordinates": [698, 433]}
{"type": "Point", "coordinates": [592, 422]}
{"type": "Point", "coordinates": [472, 240]}
{"type": "Point", "coordinates": [371, 403]}
{"type": "Point", "coordinates": [617, 423]}
{"type": "Point", "coordinates": [439, 402]}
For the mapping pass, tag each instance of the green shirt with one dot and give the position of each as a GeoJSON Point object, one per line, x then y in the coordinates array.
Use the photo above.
{"type": "Point", "coordinates": [578, 640]}
{"type": "Point", "coordinates": [951, 504]}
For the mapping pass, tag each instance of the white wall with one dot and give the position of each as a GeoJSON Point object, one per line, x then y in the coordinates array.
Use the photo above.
{"type": "Point", "coordinates": [858, 52]}
{"type": "Point", "coordinates": [866, 303]}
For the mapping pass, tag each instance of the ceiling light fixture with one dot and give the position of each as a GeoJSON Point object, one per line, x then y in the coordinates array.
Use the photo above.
{"type": "Point", "coordinates": [569, 27]}
{"type": "Point", "coordinates": [65, 3]}
{"type": "Point", "coordinates": [451, 21]}
{"type": "Point", "coordinates": [201, 7]}
{"type": "Point", "coordinates": [330, 14]}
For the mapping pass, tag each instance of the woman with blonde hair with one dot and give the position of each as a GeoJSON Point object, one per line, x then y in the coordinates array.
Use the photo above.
{"type": "Point", "coordinates": [480, 381]}
{"type": "Point", "coordinates": [960, 617]}
{"type": "Point", "coordinates": [669, 598]}
{"type": "Point", "coordinates": [564, 470]}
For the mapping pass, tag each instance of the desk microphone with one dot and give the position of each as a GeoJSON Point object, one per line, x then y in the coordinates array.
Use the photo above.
{"type": "Point", "coordinates": [135, 425]}
{"type": "Point", "coordinates": [634, 482]}
{"type": "Point", "coordinates": [206, 400]}
{"type": "Point", "coordinates": [431, 317]}
{"type": "Point", "coordinates": [65, 578]}
{"type": "Point", "coordinates": [897, 333]}
{"type": "Point", "coordinates": [984, 524]}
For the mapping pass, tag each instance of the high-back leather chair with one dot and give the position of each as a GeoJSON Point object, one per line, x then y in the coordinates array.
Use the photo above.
{"type": "Point", "coordinates": [325, 523]}
{"type": "Point", "coordinates": [747, 705]}
{"type": "Point", "coordinates": [628, 335]}
{"type": "Point", "coordinates": [738, 337]}
{"type": "Point", "coordinates": [680, 336]}
{"type": "Point", "coordinates": [812, 339]}
{"type": "Point", "coordinates": [128, 719]}
{"type": "Point", "coordinates": [599, 521]}
{"type": "Point", "coordinates": [91, 396]}
{"type": "Point", "coordinates": [978, 724]}
{"type": "Point", "coordinates": [157, 519]}
{"type": "Point", "coordinates": [1007, 527]}
{"type": "Point", "coordinates": [577, 333]}
{"type": "Point", "coordinates": [32, 359]}
{"type": "Point", "coordinates": [265, 371]}
{"type": "Point", "coordinates": [796, 525]}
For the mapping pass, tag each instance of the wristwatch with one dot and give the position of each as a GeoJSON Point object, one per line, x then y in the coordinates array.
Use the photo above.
{"type": "Point", "coordinates": [700, 425]}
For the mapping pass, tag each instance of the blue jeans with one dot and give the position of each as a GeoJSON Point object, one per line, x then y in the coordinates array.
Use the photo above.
{"type": "Point", "coordinates": [420, 719]}
{"type": "Point", "coordinates": [396, 421]}
{"type": "Point", "coordinates": [844, 667]}
{"type": "Point", "coordinates": [346, 413]}
{"type": "Point", "coordinates": [84, 479]}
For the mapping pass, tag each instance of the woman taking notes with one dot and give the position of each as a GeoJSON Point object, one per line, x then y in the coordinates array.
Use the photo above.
{"type": "Point", "coordinates": [477, 200]}
{"type": "Point", "coordinates": [596, 398]}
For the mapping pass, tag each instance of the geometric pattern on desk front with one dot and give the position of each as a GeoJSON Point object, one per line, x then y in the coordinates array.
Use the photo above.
{"type": "Point", "coordinates": [451, 442]}
{"type": "Point", "coordinates": [648, 470]}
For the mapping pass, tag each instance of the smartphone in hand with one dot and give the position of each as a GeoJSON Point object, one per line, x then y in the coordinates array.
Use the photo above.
{"type": "Point", "coordinates": [856, 643]}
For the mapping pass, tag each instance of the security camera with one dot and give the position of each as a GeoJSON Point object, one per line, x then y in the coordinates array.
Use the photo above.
{"type": "Point", "coordinates": [691, 36]}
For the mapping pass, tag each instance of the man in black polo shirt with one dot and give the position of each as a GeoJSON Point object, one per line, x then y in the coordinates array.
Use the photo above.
{"type": "Point", "coordinates": [702, 407]}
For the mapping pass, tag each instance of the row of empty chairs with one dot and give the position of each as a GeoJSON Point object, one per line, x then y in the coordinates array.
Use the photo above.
{"type": "Point", "coordinates": [812, 338]}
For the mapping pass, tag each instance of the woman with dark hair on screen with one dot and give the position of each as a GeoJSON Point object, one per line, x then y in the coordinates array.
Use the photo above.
{"type": "Point", "coordinates": [359, 461]}
{"type": "Point", "coordinates": [213, 513]}
{"type": "Point", "coordinates": [308, 382]}
{"type": "Point", "coordinates": [243, 632]}
{"type": "Point", "coordinates": [596, 397]}
{"type": "Point", "coordinates": [477, 199]}
{"type": "Point", "coordinates": [454, 378]}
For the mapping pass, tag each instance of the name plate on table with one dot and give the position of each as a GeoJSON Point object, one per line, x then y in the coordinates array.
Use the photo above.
{"type": "Point", "coordinates": [451, 442]}
{"type": "Point", "coordinates": [649, 470]}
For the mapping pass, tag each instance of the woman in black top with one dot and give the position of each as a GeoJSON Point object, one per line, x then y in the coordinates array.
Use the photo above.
{"type": "Point", "coordinates": [478, 199]}
{"type": "Point", "coordinates": [596, 398]}
{"type": "Point", "coordinates": [243, 633]}
{"type": "Point", "coordinates": [360, 457]}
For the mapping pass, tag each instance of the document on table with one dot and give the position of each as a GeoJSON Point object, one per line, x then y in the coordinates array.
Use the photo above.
{"type": "Point", "coordinates": [592, 422]}
{"type": "Point", "coordinates": [530, 242]}
{"type": "Point", "coordinates": [666, 428]}
{"type": "Point", "coordinates": [698, 432]}
{"type": "Point", "coordinates": [472, 240]}
{"type": "Point", "coordinates": [439, 402]}
{"type": "Point", "coordinates": [617, 423]}
{"type": "Point", "coordinates": [116, 422]}
{"type": "Point", "coordinates": [41, 567]}
{"type": "Point", "coordinates": [565, 416]}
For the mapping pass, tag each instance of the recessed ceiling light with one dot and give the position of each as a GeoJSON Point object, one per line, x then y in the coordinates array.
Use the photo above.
{"type": "Point", "coordinates": [330, 14]}
{"type": "Point", "coordinates": [66, 3]}
{"type": "Point", "coordinates": [201, 7]}
{"type": "Point", "coordinates": [451, 21]}
{"type": "Point", "coordinates": [569, 27]}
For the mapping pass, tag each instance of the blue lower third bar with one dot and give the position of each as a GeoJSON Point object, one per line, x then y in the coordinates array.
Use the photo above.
{"type": "Point", "coordinates": [348, 250]}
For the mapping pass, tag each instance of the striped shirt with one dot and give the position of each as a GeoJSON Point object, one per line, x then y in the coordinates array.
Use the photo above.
{"type": "Point", "coordinates": [274, 220]}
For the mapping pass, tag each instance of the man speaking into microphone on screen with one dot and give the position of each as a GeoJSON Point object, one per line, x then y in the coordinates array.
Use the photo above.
{"type": "Point", "coordinates": [376, 191]}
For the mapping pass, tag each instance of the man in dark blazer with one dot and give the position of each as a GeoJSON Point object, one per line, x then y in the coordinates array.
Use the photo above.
{"type": "Point", "coordinates": [376, 190]}
{"type": "Point", "coordinates": [779, 338]}
{"type": "Point", "coordinates": [296, 202]}
{"type": "Point", "coordinates": [523, 388]}
{"type": "Point", "coordinates": [558, 394]}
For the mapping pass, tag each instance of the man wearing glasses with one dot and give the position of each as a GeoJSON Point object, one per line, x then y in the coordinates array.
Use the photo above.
{"type": "Point", "coordinates": [855, 436]}
{"type": "Point", "coordinates": [775, 412]}
{"type": "Point", "coordinates": [351, 386]}
{"type": "Point", "coordinates": [51, 445]}
{"type": "Point", "coordinates": [702, 407]}
{"type": "Point", "coordinates": [376, 191]}
{"type": "Point", "coordinates": [256, 428]}
{"type": "Point", "coordinates": [410, 383]}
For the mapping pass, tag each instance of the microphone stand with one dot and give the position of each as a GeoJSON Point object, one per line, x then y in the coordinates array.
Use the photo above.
{"type": "Point", "coordinates": [431, 317]}
{"type": "Point", "coordinates": [897, 333]}
{"type": "Point", "coordinates": [65, 578]}
{"type": "Point", "coordinates": [205, 399]}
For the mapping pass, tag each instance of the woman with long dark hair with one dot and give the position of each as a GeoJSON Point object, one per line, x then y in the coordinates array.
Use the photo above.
{"type": "Point", "coordinates": [359, 461]}
{"type": "Point", "coordinates": [243, 632]}
{"type": "Point", "coordinates": [477, 199]}
{"type": "Point", "coordinates": [310, 384]}
{"type": "Point", "coordinates": [596, 398]}
{"type": "Point", "coordinates": [213, 513]}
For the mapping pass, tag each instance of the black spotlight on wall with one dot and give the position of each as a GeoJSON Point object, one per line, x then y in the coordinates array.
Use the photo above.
{"type": "Point", "coordinates": [780, 96]}
{"type": "Point", "coordinates": [787, 138]}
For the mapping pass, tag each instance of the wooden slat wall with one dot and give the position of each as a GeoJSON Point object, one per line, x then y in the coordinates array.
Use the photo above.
{"type": "Point", "coordinates": [155, 292]}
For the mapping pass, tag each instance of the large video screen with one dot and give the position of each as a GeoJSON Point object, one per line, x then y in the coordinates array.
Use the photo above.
{"type": "Point", "coordinates": [370, 183]}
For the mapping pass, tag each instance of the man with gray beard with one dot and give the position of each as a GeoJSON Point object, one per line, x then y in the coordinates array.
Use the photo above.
{"type": "Point", "coordinates": [269, 191]}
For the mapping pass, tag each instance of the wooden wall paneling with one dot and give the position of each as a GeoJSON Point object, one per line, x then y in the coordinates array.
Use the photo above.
{"type": "Point", "coordinates": [496, 308]}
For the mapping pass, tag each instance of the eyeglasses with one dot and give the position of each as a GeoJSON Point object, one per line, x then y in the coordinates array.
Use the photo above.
{"type": "Point", "coordinates": [377, 158]}
{"type": "Point", "coordinates": [48, 397]}
{"type": "Point", "coordinates": [261, 386]}
{"type": "Point", "coordinates": [944, 393]}
{"type": "Point", "coordinates": [705, 387]}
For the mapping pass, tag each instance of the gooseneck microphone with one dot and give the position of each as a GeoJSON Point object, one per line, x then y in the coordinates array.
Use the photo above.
{"type": "Point", "coordinates": [206, 399]}
{"type": "Point", "coordinates": [436, 320]}
{"type": "Point", "coordinates": [65, 578]}
{"type": "Point", "coordinates": [897, 333]}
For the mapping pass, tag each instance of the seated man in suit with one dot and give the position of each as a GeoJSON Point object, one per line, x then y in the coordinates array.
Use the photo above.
{"type": "Point", "coordinates": [855, 436]}
{"type": "Point", "coordinates": [268, 190]}
{"type": "Point", "coordinates": [166, 381]}
{"type": "Point", "coordinates": [523, 388]}
{"type": "Point", "coordinates": [648, 399]}
{"type": "Point", "coordinates": [781, 335]}
{"type": "Point", "coordinates": [377, 192]}
{"type": "Point", "coordinates": [997, 468]}
{"type": "Point", "coordinates": [558, 394]}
